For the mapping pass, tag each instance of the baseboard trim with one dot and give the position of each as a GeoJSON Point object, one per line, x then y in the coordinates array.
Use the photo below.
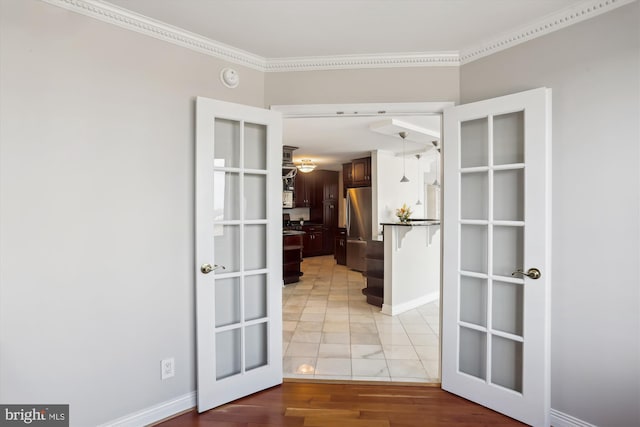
{"type": "Point", "coordinates": [155, 413]}
{"type": "Point", "coordinates": [396, 309]}
{"type": "Point", "coordinates": [560, 419]}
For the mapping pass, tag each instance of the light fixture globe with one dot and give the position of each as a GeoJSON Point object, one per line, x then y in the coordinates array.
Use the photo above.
{"type": "Point", "coordinates": [306, 165]}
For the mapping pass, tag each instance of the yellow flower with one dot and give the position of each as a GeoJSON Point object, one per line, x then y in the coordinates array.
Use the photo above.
{"type": "Point", "coordinates": [403, 213]}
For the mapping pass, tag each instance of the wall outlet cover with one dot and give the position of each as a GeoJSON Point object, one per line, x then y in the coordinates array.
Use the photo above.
{"type": "Point", "coordinates": [167, 368]}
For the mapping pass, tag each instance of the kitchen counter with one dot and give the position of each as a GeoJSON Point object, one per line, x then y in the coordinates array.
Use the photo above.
{"type": "Point", "coordinates": [414, 223]}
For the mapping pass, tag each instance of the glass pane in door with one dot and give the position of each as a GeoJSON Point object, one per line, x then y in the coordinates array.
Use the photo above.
{"type": "Point", "coordinates": [255, 254]}
{"type": "Point", "coordinates": [506, 363]}
{"type": "Point", "coordinates": [228, 353]}
{"type": "Point", "coordinates": [474, 146]}
{"type": "Point", "coordinates": [508, 250]}
{"type": "Point", "coordinates": [226, 144]}
{"type": "Point", "coordinates": [473, 300]}
{"type": "Point", "coordinates": [473, 352]}
{"type": "Point", "coordinates": [255, 296]}
{"type": "Point", "coordinates": [255, 191]}
{"type": "Point", "coordinates": [226, 200]}
{"type": "Point", "coordinates": [256, 346]}
{"type": "Point", "coordinates": [508, 138]}
{"type": "Point", "coordinates": [255, 146]}
{"type": "Point", "coordinates": [226, 246]}
{"type": "Point", "coordinates": [475, 195]}
{"type": "Point", "coordinates": [508, 304]}
{"type": "Point", "coordinates": [473, 256]}
{"type": "Point", "coordinates": [227, 294]}
{"type": "Point", "coordinates": [508, 191]}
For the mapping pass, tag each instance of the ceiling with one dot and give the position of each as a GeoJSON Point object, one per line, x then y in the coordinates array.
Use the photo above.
{"type": "Point", "coordinates": [277, 31]}
{"type": "Point", "coordinates": [331, 141]}
{"type": "Point", "coordinates": [305, 28]}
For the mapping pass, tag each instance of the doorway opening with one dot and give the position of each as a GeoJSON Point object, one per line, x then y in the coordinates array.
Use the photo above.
{"type": "Point", "coordinates": [331, 329]}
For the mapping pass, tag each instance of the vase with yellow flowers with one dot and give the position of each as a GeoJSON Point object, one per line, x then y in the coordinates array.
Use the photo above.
{"type": "Point", "coordinates": [404, 213]}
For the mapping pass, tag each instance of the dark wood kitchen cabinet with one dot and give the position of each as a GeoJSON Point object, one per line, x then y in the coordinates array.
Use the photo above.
{"type": "Point", "coordinates": [340, 242]}
{"type": "Point", "coordinates": [321, 190]}
{"type": "Point", "coordinates": [291, 257]}
{"type": "Point", "coordinates": [347, 176]}
{"type": "Point", "coordinates": [357, 173]}
{"type": "Point", "coordinates": [330, 223]}
{"type": "Point", "coordinates": [305, 192]}
{"type": "Point", "coordinates": [313, 240]}
{"type": "Point", "coordinates": [361, 172]}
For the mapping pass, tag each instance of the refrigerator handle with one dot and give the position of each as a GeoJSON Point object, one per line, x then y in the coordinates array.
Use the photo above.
{"type": "Point", "coordinates": [348, 215]}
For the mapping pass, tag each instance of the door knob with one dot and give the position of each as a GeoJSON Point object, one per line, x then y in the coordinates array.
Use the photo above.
{"type": "Point", "coordinates": [208, 268]}
{"type": "Point", "coordinates": [532, 273]}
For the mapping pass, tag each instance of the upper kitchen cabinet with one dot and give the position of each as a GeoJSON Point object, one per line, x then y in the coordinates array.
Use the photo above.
{"type": "Point", "coordinates": [347, 175]}
{"type": "Point", "coordinates": [312, 188]}
{"type": "Point", "coordinates": [357, 173]}
{"type": "Point", "coordinates": [305, 190]}
{"type": "Point", "coordinates": [361, 169]}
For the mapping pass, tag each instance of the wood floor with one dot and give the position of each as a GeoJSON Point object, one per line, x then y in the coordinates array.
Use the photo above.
{"type": "Point", "coordinates": [342, 405]}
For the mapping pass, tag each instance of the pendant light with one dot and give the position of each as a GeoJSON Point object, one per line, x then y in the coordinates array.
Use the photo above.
{"type": "Point", "coordinates": [436, 183]}
{"type": "Point", "coordinates": [306, 165]}
{"type": "Point", "coordinates": [418, 203]}
{"type": "Point", "coordinates": [403, 135]}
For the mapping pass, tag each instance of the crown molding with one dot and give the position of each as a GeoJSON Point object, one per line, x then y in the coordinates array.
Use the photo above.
{"type": "Point", "coordinates": [572, 15]}
{"type": "Point", "coordinates": [129, 20]}
{"type": "Point", "coordinates": [124, 18]}
{"type": "Point", "coordinates": [341, 62]}
{"type": "Point", "coordinates": [110, 13]}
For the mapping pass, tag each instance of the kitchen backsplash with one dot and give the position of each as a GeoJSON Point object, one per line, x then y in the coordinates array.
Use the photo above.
{"type": "Point", "coordinates": [297, 213]}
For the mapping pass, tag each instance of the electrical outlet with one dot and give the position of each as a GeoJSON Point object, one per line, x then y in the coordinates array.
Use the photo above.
{"type": "Point", "coordinates": [167, 368]}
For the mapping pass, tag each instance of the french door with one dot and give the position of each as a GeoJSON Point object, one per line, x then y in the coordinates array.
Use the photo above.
{"type": "Point", "coordinates": [496, 254]}
{"type": "Point", "coordinates": [238, 251]}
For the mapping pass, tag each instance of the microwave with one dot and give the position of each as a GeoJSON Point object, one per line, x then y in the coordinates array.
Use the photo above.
{"type": "Point", "coordinates": [287, 199]}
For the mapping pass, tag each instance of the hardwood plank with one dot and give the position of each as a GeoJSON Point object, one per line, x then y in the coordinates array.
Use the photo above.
{"type": "Point", "coordinates": [321, 412]}
{"type": "Point", "coordinates": [345, 405]}
{"type": "Point", "coordinates": [343, 422]}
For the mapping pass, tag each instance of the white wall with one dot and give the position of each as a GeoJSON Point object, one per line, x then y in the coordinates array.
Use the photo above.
{"type": "Point", "coordinates": [96, 210]}
{"type": "Point", "coordinates": [389, 193]}
{"type": "Point", "coordinates": [593, 69]}
{"type": "Point", "coordinates": [96, 201]}
{"type": "Point", "coordinates": [381, 85]}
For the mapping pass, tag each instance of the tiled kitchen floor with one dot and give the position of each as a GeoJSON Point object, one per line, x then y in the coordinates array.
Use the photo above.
{"type": "Point", "coordinates": [330, 332]}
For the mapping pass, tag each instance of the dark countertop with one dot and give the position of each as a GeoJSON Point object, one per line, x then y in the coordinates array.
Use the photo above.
{"type": "Point", "coordinates": [292, 232]}
{"type": "Point", "coordinates": [414, 223]}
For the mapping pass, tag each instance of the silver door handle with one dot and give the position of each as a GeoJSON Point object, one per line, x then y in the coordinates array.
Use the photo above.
{"type": "Point", "coordinates": [532, 273]}
{"type": "Point", "coordinates": [208, 268]}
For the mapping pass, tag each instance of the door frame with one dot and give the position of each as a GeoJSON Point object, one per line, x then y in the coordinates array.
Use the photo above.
{"type": "Point", "coordinates": [381, 110]}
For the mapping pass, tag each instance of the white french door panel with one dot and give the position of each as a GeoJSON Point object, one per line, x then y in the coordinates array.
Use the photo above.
{"type": "Point", "coordinates": [238, 251]}
{"type": "Point", "coordinates": [497, 204]}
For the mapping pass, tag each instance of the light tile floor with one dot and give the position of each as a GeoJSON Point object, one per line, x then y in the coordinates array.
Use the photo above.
{"type": "Point", "coordinates": [330, 332]}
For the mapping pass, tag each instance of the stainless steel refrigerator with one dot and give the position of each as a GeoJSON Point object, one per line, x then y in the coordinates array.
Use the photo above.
{"type": "Point", "coordinates": [358, 226]}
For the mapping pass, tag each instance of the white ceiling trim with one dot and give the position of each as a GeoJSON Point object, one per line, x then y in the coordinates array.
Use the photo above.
{"type": "Point", "coordinates": [421, 59]}
{"type": "Point", "coordinates": [127, 19]}
{"type": "Point", "coordinates": [549, 24]}
{"type": "Point", "coordinates": [124, 18]}
{"type": "Point", "coordinates": [359, 110]}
